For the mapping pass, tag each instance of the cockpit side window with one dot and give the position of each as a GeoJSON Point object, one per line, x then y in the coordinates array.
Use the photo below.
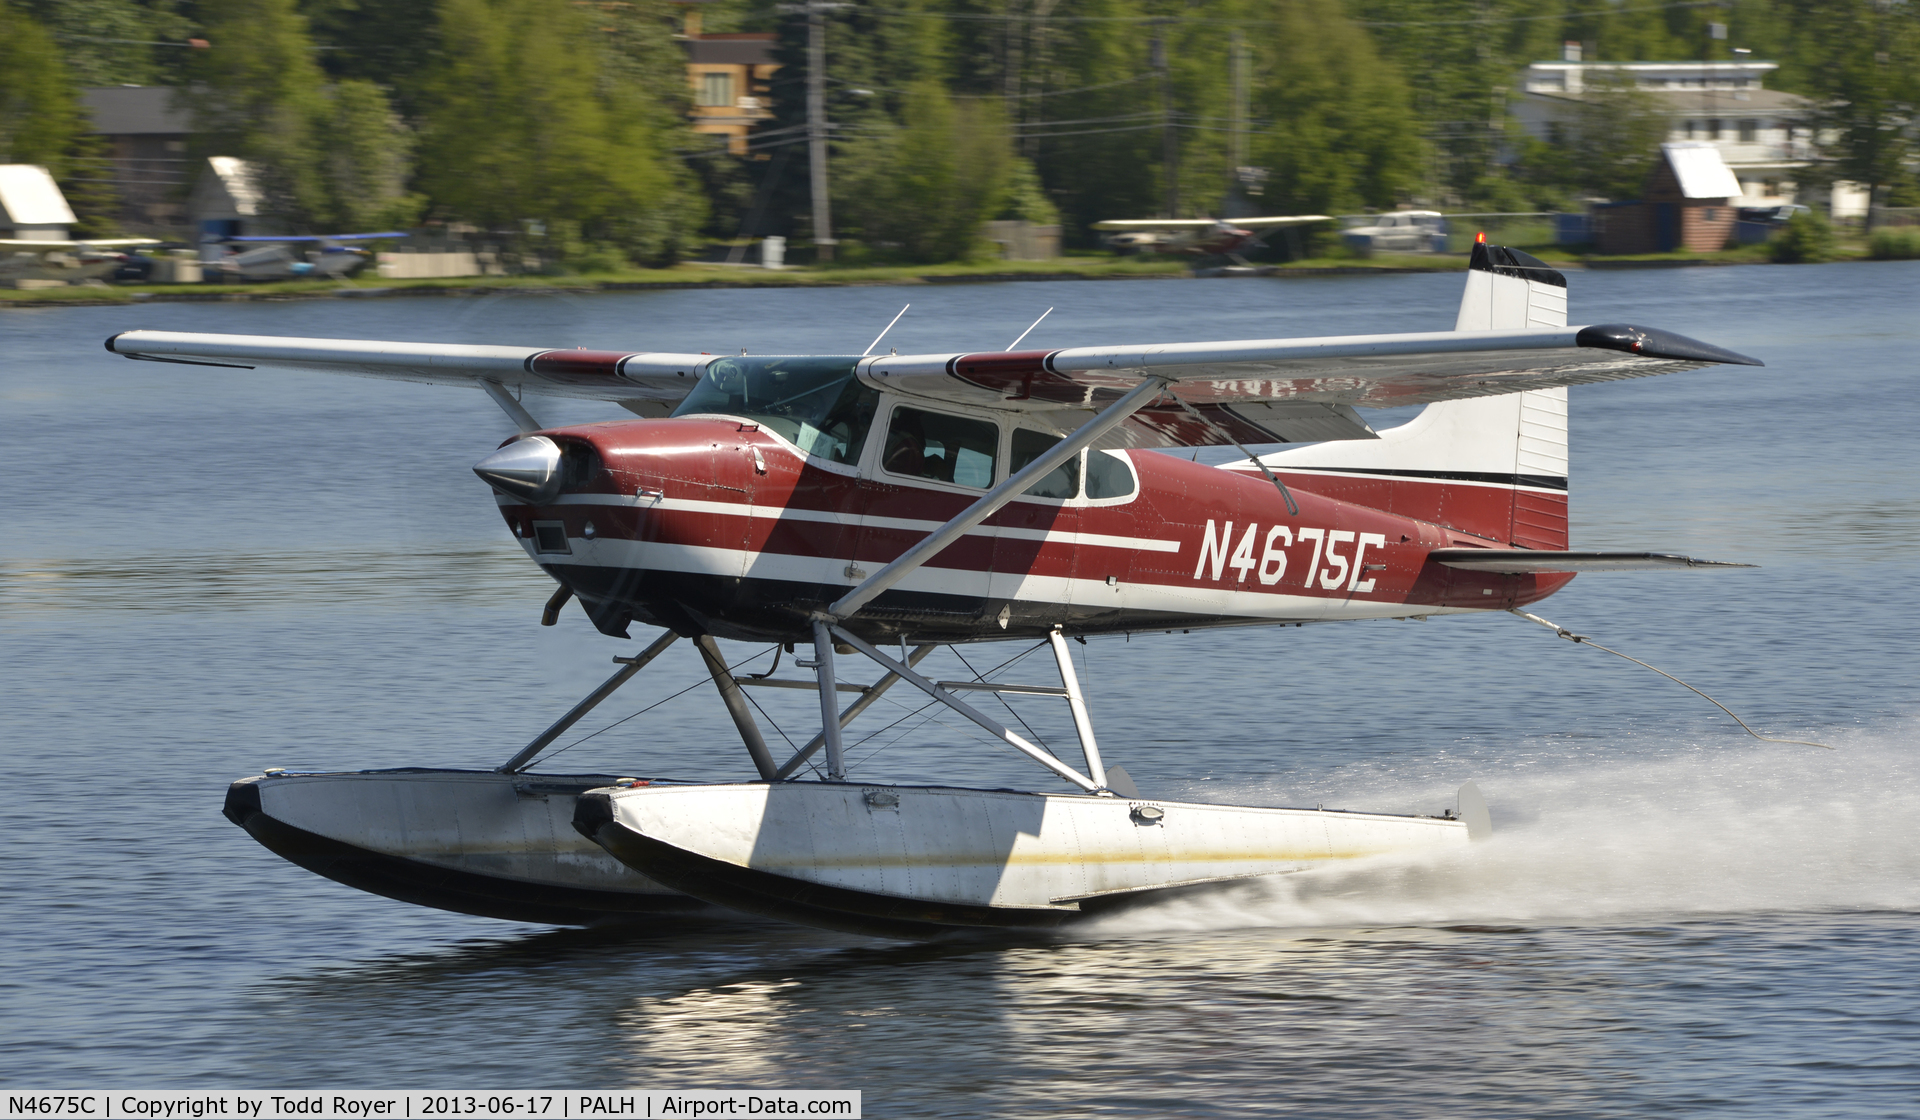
{"type": "Point", "coordinates": [1061, 482]}
{"type": "Point", "coordinates": [816, 404]}
{"type": "Point", "coordinates": [945, 448]}
{"type": "Point", "coordinates": [1108, 475]}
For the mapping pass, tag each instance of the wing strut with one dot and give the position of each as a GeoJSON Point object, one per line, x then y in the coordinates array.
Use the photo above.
{"type": "Point", "coordinates": [1293, 508]}
{"type": "Point", "coordinates": [515, 411]}
{"type": "Point", "coordinates": [871, 697]}
{"type": "Point", "coordinates": [934, 690]}
{"type": "Point", "coordinates": [990, 503]}
{"type": "Point", "coordinates": [630, 666]}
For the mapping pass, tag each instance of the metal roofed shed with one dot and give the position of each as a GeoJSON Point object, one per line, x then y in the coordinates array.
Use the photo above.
{"type": "Point", "coordinates": [226, 202]}
{"type": "Point", "coordinates": [31, 205]}
{"type": "Point", "coordinates": [1701, 171]}
{"type": "Point", "coordinates": [1689, 201]}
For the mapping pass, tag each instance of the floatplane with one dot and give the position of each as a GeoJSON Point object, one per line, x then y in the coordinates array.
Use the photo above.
{"type": "Point", "coordinates": [873, 508]}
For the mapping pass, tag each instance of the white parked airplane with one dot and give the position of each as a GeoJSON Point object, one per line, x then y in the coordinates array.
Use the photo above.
{"type": "Point", "coordinates": [64, 260]}
{"type": "Point", "coordinates": [1200, 237]}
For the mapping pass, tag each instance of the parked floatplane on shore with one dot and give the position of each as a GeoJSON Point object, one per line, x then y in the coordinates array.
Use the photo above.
{"type": "Point", "coordinates": [876, 508]}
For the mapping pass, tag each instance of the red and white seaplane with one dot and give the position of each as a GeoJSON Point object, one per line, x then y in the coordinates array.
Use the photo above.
{"type": "Point", "coordinates": [878, 507]}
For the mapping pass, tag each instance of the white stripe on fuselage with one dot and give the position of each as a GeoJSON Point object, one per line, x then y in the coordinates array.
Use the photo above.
{"type": "Point", "coordinates": [851, 520]}
{"type": "Point", "coordinates": [1229, 603]}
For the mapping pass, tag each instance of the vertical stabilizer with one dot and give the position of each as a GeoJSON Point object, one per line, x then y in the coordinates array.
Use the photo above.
{"type": "Point", "coordinates": [1492, 466]}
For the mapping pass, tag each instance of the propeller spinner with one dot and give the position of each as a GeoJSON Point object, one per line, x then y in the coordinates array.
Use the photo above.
{"type": "Point", "coordinates": [528, 469]}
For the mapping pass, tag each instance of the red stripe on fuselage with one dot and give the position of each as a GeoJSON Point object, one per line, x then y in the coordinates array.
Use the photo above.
{"type": "Point", "coordinates": [1503, 515]}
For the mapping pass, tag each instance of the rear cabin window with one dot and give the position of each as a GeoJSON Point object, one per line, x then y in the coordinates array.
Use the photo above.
{"type": "Point", "coordinates": [816, 404]}
{"type": "Point", "coordinates": [944, 448]}
{"type": "Point", "coordinates": [1108, 475]}
{"type": "Point", "coordinates": [1061, 482]}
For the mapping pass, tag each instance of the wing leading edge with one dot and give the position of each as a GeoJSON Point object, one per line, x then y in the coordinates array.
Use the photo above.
{"type": "Point", "coordinates": [624, 378]}
{"type": "Point", "coordinates": [1260, 391]}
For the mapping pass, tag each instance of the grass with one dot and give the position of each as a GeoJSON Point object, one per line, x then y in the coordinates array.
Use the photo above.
{"type": "Point", "coordinates": [687, 274]}
{"type": "Point", "coordinates": [1890, 244]}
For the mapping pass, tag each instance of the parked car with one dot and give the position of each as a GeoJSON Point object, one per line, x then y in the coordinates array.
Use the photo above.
{"type": "Point", "coordinates": [1775, 215]}
{"type": "Point", "coordinates": [1401, 231]}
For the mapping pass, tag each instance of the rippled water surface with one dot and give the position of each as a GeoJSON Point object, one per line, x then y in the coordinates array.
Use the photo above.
{"type": "Point", "coordinates": [203, 572]}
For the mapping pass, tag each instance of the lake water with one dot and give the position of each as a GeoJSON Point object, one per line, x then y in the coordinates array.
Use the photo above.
{"type": "Point", "coordinates": [204, 572]}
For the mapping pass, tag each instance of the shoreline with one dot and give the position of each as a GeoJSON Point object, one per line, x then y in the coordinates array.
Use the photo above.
{"type": "Point", "coordinates": [691, 279]}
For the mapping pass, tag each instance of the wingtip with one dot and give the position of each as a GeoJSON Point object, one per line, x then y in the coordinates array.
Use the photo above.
{"type": "Point", "coordinates": [1652, 342]}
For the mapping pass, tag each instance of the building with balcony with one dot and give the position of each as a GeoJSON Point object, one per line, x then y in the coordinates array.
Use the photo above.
{"type": "Point", "coordinates": [731, 74]}
{"type": "Point", "coordinates": [1762, 135]}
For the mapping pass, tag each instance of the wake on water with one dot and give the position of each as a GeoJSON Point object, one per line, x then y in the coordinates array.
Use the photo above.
{"type": "Point", "coordinates": [1724, 830]}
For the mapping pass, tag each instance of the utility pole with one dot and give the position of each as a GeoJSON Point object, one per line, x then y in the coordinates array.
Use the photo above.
{"type": "Point", "coordinates": [823, 239]}
{"type": "Point", "coordinates": [1240, 64]}
{"type": "Point", "coordinates": [1170, 140]}
{"type": "Point", "coordinates": [816, 10]}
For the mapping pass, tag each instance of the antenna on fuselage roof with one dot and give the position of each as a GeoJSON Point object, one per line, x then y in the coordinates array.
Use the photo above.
{"type": "Point", "coordinates": [883, 334]}
{"type": "Point", "coordinates": [1029, 330]}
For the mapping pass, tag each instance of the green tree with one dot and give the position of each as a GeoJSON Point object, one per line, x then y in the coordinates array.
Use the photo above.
{"type": "Point", "coordinates": [366, 160]}
{"type": "Point", "coordinates": [1460, 59]}
{"type": "Point", "coordinates": [386, 42]}
{"type": "Point", "coordinates": [534, 125]}
{"type": "Point", "coordinates": [1604, 146]}
{"type": "Point", "coordinates": [39, 118]}
{"type": "Point", "coordinates": [327, 156]}
{"type": "Point", "coordinates": [1863, 71]}
{"type": "Point", "coordinates": [258, 94]}
{"type": "Point", "coordinates": [111, 42]}
{"type": "Point", "coordinates": [1340, 132]}
{"type": "Point", "coordinates": [1808, 239]}
{"type": "Point", "coordinates": [926, 186]}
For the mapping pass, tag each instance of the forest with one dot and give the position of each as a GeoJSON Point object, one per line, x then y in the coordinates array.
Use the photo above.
{"type": "Point", "coordinates": [565, 122]}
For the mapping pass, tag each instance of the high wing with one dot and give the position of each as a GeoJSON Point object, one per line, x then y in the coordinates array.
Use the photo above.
{"type": "Point", "coordinates": [649, 384]}
{"type": "Point", "coordinates": [1262, 391]}
{"type": "Point", "coordinates": [99, 243]}
{"type": "Point", "coordinates": [1292, 390]}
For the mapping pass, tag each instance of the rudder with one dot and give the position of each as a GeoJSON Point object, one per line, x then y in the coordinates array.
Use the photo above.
{"type": "Point", "coordinates": [1493, 466]}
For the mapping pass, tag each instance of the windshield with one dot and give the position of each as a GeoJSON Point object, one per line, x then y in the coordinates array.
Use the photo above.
{"type": "Point", "coordinates": [817, 404]}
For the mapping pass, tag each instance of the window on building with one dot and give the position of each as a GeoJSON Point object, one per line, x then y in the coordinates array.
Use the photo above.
{"type": "Point", "coordinates": [716, 89]}
{"type": "Point", "coordinates": [1748, 131]}
{"type": "Point", "coordinates": [1713, 128]}
{"type": "Point", "coordinates": [1690, 129]}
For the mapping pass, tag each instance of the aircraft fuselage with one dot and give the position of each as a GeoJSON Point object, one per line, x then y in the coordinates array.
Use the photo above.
{"type": "Point", "coordinates": [718, 525]}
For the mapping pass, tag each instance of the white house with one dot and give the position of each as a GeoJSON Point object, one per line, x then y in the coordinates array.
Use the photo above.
{"type": "Point", "coordinates": [1761, 134]}
{"type": "Point", "coordinates": [31, 205]}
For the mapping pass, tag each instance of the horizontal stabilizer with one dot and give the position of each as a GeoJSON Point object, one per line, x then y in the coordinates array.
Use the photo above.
{"type": "Point", "coordinates": [1526, 561]}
